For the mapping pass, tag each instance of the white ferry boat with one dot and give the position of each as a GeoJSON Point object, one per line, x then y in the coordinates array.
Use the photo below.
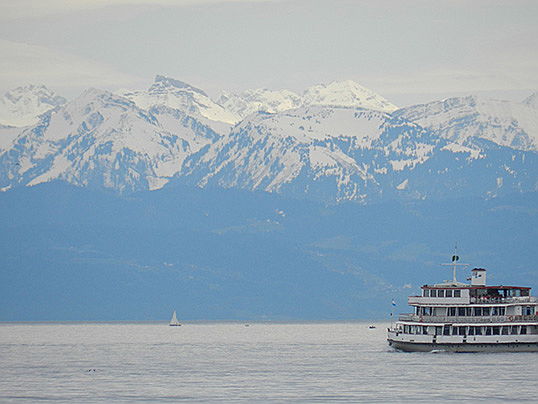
{"type": "Point", "coordinates": [460, 317]}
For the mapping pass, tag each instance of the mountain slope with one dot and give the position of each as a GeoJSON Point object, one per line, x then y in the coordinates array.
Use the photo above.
{"type": "Point", "coordinates": [346, 94]}
{"type": "Point", "coordinates": [23, 105]}
{"type": "Point", "coordinates": [225, 254]}
{"type": "Point", "coordinates": [531, 100]}
{"type": "Point", "coordinates": [463, 119]}
{"type": "Point", "coordinates": [252, 101]}
{"type": "Point", "coordinates": [335, 154]}
{"type": "Point", "coordinates": [104, 140]}
{"type": "Point", "coordinates": [176, 94]}
{"type": "Point", "coordinates": [336, 94]}
{"type": "Point", "coordinates": [439, 150]}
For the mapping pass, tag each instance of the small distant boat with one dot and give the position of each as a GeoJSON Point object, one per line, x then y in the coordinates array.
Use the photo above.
{"type": "Point", "coordinates": [371, 327]}
{"type": "Point", "coordinates": [173, 321]}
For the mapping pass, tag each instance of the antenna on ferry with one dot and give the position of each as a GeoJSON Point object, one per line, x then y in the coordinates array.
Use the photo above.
{"type": "Point", "coordinates": [454, 264]}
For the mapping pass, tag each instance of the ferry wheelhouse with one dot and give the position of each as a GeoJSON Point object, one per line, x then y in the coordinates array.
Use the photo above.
{"type": "Point", "coordinates": [459, 317]}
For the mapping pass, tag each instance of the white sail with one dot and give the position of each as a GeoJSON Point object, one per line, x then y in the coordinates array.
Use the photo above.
{"type": "Point", "coordinates": [174, 321]}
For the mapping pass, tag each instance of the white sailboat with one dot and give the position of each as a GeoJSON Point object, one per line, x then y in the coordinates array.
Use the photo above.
{"type": "Point", "coordinates": [173, 321]}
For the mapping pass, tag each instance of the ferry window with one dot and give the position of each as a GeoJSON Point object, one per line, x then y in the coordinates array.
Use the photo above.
{"type": "Point", "coordinates": [457, 293]}
{"type": "Point", "coordinates": [478, 330]}
{"type": "Point", "coordinates": [448, 293]}
{"type": "Point", "coordinates": [488, 330]}
{"type": "Point", "coordinates": [478, 311]}
{"type": "Point", "coordinates": [433, 293]}
{"type": "Point", "coordinates": [461, 311]}
{"type": "Point", "coordinates": [441, 293]}
{"type": "Point", "coordinates": [495, 311]}
{"type": "Point", "coordinates": [469, 311]}
{"type": "Point", "coordinates": [524, 292]}
{"type": "Point", "coordinates": [461, 330]}
{"type": "Point", "coordinates": [426, 293]}
{"type": "Point", "coordinates": [446, 330]}
{"type": "Point", "coordinates": [502, 311]}
{"type": "Point", "coordinates": [485, 311]}
{"type": "Point", "coordinates": [438, 330]}
{"type": "Point", "coordinates": [424, 330]}
{"type": "Point", "coordinates": [471, 330]}
{"type": "Point", "coordinates": [451, 311]}
{"type": "Point", "coordinates": [523, 329]}
{"type": "Point", "coordinates": [505, 330]}
{"type": "Point", "coordinates": [513, 331]}
{"type": "Point", "coordinates": [527, 310]}
{"type": "Point", "coordinates": [495, 330]}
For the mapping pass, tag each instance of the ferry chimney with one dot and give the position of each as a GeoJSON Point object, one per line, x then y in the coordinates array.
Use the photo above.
{"type": "Point", "coordinates": [478, 277]}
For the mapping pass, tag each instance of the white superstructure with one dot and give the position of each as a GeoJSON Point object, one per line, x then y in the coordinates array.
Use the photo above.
{"type": "Point", "coordinates": [460, 317]}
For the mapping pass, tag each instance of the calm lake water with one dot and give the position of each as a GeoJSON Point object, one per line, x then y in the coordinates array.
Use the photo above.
{"type": "Point", "coordinates": [229, 362]}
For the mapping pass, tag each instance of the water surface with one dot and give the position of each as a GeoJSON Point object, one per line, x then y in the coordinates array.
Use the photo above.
{"type": "Point", "coordinates": [230, 362]}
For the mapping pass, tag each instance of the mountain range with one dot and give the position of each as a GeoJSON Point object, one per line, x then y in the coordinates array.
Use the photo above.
{"type": "Point", "coordinates": [334, 142]}
{"type": "Point", "coordinates": [264, 205]}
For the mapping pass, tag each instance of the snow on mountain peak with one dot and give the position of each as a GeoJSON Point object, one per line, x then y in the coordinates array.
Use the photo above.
{"type": "Point", "coordinates": [312, 149]}
{"type": "Point", "coordinates": [172, 93]}
{"type": "Point", "coordinates": [346, 94]}
{"type": "Point", "coordinates": [168, 82]}
{"type": "Point", "coordinates": [92, 95]}
{"type": "Point", "coordinates": [263, 100]}
{"type": "Point", "coordinates": [104, 139]}
{"type": "Point", "coordinates": [532, 100]}
{"type": "Point", "coordinates": [462, 119]}
{"type": "Point", "coordinates": [309, 124]}
{"type": "Point", "coordinates": [23, 105]}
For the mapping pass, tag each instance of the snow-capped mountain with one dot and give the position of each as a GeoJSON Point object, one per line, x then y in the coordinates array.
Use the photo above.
{"type": "Point", "coordinates": [166, 91]}
{"type": "Point", "coordinates": [23, 105]}
{"type": "Point", "coordinates": [310, 149]}
{"type": "Point", "coordinates": [346, 94]}
{"type": "Point", "coordinates": [353, 154]}
{"type": "Point", "coordinates": [326, 152]}
{"type": "Point", "coordinates": [101, 139]}
{"type": "Point", "coordinates": [464, 119]}
{"type": "Point", "coordinates": [263, 100]}
{"type": "Point", "coordinates": [336, 94]}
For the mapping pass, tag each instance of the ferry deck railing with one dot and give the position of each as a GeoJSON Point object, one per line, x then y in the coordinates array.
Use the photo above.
{"type": "Point", "coordinates": [515, 299]}
{"type": "Point", "coordinates": [471, 300]}
{"type": "Point", "coordinates": [468, 319]}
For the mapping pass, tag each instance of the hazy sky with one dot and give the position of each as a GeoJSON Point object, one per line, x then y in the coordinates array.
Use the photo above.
{"type": "Point", "coordinates": [408, 51]}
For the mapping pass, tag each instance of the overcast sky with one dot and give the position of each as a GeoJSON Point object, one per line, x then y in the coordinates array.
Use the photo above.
{"type": "Point", "coordinates": [408, 51]}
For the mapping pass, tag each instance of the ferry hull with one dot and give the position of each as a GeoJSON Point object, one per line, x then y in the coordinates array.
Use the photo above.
{"type": "Point", "coordinates": [464, 347]}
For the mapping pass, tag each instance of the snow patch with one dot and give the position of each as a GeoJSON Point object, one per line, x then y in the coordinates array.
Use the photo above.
{"type": "Point", "coordinates": [403, 185]}
{"type": "Point", "coordinates": [474, 154]}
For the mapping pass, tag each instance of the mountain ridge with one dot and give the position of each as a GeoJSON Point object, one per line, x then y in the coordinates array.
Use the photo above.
{"type": "Point", "coordinates": [144, 140]}
{"type": "Point", "coordinates": [22, 106]}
